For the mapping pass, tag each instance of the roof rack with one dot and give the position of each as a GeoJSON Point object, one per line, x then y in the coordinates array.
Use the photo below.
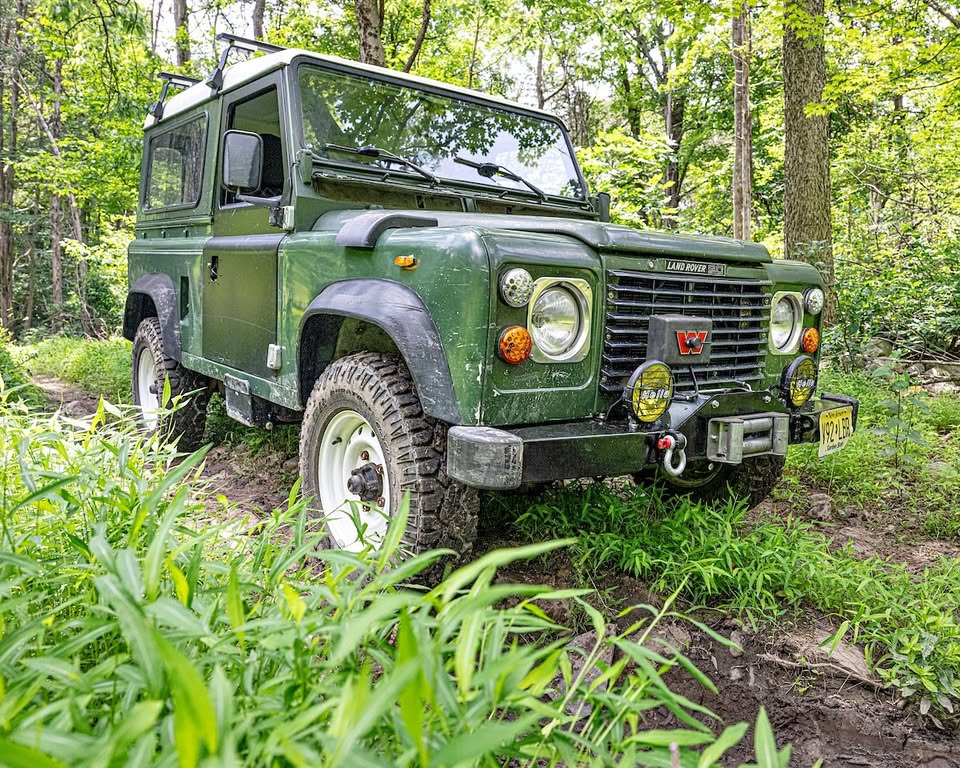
{"type": "Point", "coordinates": [215, 80]}
{"type": "Point", "coordinates": [169, 79]}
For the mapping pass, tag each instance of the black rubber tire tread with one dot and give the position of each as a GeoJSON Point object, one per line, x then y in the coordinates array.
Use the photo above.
{"type": "Point", "coordinates": [188, 421]}
{"type": "Point", "coordinates": [752, 481]}
{"type": "Point", "coordinates": [442, 512]}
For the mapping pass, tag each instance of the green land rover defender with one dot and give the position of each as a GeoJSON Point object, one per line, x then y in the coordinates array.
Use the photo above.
{"type": "Point", "coordinates": [418, 274]}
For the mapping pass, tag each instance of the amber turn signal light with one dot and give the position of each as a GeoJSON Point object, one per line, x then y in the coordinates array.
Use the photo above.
{"type": "Point", "coordinates": [515, 344]}
{"type": "Point", "coordinates": [810, 342]}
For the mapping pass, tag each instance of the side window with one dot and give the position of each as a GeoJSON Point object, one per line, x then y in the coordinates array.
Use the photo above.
{"type": "Point", "coordinates": [175, 168]}
{"type": "Point", "coordinates": [261, 114]}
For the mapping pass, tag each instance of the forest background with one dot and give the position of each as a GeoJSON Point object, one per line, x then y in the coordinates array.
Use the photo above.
{"type": "Point", "coordinates": [827, 130]}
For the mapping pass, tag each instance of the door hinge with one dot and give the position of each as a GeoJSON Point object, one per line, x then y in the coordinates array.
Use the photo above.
{"type": "Point", "coordinates": [274, 356]}
{"type": "Point", "coordinates": [282, 217]}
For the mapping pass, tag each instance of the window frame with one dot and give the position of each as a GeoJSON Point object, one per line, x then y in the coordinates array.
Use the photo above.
{"type": "Point", "coordinates": [386, 77]}
{"type": "Point", "coordinates": [204, 118]}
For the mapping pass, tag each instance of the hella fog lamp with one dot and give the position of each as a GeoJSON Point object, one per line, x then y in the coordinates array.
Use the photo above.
{"type": "Point", "coordinates": [516, 287]}
{"type": "Point", "coordinates": [786, 322]}
{"type": "Point", "coordinates": [813, 301]}
{"type": "Point", "coordinates": [649, 390]}
{"type": "Point", "coordinates": [799, 381]}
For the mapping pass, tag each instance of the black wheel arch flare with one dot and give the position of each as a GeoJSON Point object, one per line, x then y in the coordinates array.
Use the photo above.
{"type": "Point", "coordinates": [402, 315]}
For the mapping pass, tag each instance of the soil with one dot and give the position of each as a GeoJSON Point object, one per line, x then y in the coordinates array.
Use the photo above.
{"type": "Point", "coordinates": [830, 708]}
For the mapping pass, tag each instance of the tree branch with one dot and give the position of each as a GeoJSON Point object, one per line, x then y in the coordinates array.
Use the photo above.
{"type": "Point", "coordinates": [424, 24]}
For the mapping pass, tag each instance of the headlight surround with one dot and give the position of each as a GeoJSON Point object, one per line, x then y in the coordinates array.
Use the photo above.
{"type": "Point", "coordinates": [786, 322]}
{"type": "Point", "coordinates": [558, 318]}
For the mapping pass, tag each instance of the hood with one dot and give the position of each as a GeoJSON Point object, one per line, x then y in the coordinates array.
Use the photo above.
{"type": "Point", "coordinates": [598, 235]}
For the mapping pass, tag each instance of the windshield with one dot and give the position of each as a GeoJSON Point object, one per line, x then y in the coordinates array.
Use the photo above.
{"type": "Point", "coordinates": [432, 130]}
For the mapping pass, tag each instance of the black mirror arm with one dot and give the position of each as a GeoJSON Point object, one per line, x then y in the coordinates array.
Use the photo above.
{"type": "Point", "coordinates": [263, 202]}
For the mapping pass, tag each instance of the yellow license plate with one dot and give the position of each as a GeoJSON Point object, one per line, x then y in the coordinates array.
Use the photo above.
{"type": "Point", "coordinates": [836, 426]}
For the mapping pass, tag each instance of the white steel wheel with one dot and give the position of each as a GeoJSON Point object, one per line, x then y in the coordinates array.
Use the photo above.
{"type": "Point", "coordinates": [147, 395]}
{"type": "Point", "coordinates": [354, 483]}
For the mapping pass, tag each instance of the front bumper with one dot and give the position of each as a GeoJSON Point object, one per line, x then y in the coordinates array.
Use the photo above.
{"type": "Point", "coordinates": [725, 428]}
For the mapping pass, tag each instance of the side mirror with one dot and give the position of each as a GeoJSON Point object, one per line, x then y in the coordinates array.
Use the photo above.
{"type": "Point", "coordinates": [602, 205]}
{"type": "Point", "coordinates": [242, 161]}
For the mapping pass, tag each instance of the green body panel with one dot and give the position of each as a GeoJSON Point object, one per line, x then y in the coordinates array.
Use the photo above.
{"type": "Point", "coordinates": [244, 282]}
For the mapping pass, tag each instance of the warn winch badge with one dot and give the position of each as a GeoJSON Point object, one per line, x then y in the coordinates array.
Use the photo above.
{"type": "Point", "coordinates": [691, 342]}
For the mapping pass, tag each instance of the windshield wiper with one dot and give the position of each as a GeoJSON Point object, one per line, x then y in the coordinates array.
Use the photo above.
{"type": "Point", "coordinates": [489, 170]}
{"type": "Point", "coordinates": [377, 153]}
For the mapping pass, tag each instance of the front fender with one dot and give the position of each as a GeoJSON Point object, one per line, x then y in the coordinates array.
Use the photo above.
{"type": "Point", "coordinates": [402, 315]}
{"type": "Point", "coordinates": [159, 290]}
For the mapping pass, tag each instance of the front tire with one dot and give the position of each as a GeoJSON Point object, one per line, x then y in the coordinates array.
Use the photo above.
{"type": "Point", "coordinates": [152, 366]}
{"type": "Point", "coordinates": [753, 480]}
{"type": "Point", "coordinates": [366, 440]}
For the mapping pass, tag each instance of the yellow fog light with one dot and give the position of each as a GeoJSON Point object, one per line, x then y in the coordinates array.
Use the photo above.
{"type": "Point", "coordinates": [799, 381]}
{"type": "Point", "coordinates": [650, 390]}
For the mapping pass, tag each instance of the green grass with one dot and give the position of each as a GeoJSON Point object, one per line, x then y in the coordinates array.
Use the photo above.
{"type": "Point", "coordinates": [722, 557]}
{"type": "Point", "coordinates": [904, 459]}
{"type": "Point", "coordinates": [15, 381]}
{"type": "Point", "coordinates": [141, 622]}
{"type": "Point", "coordinates": [98, 367]}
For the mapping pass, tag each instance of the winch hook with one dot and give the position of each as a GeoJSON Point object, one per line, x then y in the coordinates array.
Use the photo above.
{"type": "Point", "coordinates": [673, 445]}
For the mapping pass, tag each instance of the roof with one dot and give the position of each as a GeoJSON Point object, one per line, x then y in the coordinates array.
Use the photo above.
{"type": "Point", "coordinates": [253, 68]}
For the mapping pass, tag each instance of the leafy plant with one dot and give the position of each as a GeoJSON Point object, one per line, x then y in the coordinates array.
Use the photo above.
{"type": "Point", "coordinates": [140, 623]}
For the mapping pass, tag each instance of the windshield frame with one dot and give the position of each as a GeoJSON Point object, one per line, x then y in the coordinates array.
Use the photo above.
{"type": "Point", "coordinates": [401, 176]}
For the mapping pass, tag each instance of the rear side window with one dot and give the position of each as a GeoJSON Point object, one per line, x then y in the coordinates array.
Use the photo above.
{"type": "Point", "coordinates": [175, 169]}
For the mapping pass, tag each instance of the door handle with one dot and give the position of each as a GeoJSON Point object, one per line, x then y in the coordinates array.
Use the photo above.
{"type": "Point", "coordinates": [214, 268]}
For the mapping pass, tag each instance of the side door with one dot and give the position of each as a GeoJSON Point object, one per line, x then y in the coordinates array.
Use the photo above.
{"type": "Point", "coordinates": [240, 260]}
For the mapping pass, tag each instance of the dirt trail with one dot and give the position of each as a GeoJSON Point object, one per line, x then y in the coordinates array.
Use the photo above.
{"type": "Point", "coordinates": [830, 708]}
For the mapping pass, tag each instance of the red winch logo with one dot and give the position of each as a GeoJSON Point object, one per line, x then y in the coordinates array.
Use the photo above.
{"type": "Point", "coordinates": [691, 342]}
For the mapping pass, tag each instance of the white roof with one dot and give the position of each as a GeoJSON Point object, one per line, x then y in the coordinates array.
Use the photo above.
{"type": "Point", "coordinates": [245, 71]}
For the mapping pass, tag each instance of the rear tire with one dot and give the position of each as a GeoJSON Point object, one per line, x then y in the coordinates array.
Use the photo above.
{"type": "Point", "coordinates": [364, 410]}
{"type": "Point", "coordinates": [152, 366]}
{"type": "Point", "coordinates": [753, 480]}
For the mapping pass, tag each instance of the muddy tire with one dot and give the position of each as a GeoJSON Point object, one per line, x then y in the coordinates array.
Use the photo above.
{"type": "Point", "coordinates": [152, 365]}
{"type": "Point", "coordinates": [752, 481]}
{"type": "Point", "coordinates": [364, 410]}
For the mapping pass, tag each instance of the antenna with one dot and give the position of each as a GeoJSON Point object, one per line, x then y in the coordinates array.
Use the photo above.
{"type": "Point", "coordinates": [169, 79]}
{"type": "Point", "coordinates": [215, 80]}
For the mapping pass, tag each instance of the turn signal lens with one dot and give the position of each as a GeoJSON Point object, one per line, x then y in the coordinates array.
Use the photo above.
{"type": "Point", "coordinates": [811, 341]}
{"type": "Point", "coordinates": [515, 344]}
{"type": "Point", "coordinates": [799, 381]}
{"type": "Point", "coordinates": [650, 390]}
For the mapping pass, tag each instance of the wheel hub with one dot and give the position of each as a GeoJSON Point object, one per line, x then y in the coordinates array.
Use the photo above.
{"type": "Point", "coordinates": [366, 482]}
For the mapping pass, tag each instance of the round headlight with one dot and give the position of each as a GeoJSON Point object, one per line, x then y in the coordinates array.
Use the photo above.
{"type": "Point", "coordinates": [813, 301]}
{"type": "Point", "coordinates": [516, 287]}
{"type": "Point", "coordinates": [799, 381]}
{"type": "Point", "coordinates": [555, 321]}
{"type": "Point", "coordinates": [650, 390]}
{"type": "Point", "coordinates": [786, 320]}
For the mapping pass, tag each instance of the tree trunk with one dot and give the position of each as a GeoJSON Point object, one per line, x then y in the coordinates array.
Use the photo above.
{"type": "Point", "coordinates": [742, 126]}
{"type": "Point", "coordinates": [807, 227]}
{"type": "Point", "coordinates": [182, 29]}
{"type": "Point", "coordinates": [258, 9]}
{"type": "Point", "coordinates": [56, 263]}
{"type": "Point", "coordinates": [370, 27]}
{"type": "Point", "coordinates": [421, 36]}
{"type": "Point", "coordinates": [9, 79]}
{"type": "Point", "coordinates": [673, 108]}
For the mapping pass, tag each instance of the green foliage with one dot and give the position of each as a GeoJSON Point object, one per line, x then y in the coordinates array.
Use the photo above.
{"type": "Point", "coordinates": [16, 383]}
{"type": "Point", "coordinates": [98, 367]}
{"type": "Point", "coordinates": [140, 624]}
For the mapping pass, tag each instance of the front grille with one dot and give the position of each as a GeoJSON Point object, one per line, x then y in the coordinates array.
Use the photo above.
{"type": "Point", "coordinates": [738, 309]}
